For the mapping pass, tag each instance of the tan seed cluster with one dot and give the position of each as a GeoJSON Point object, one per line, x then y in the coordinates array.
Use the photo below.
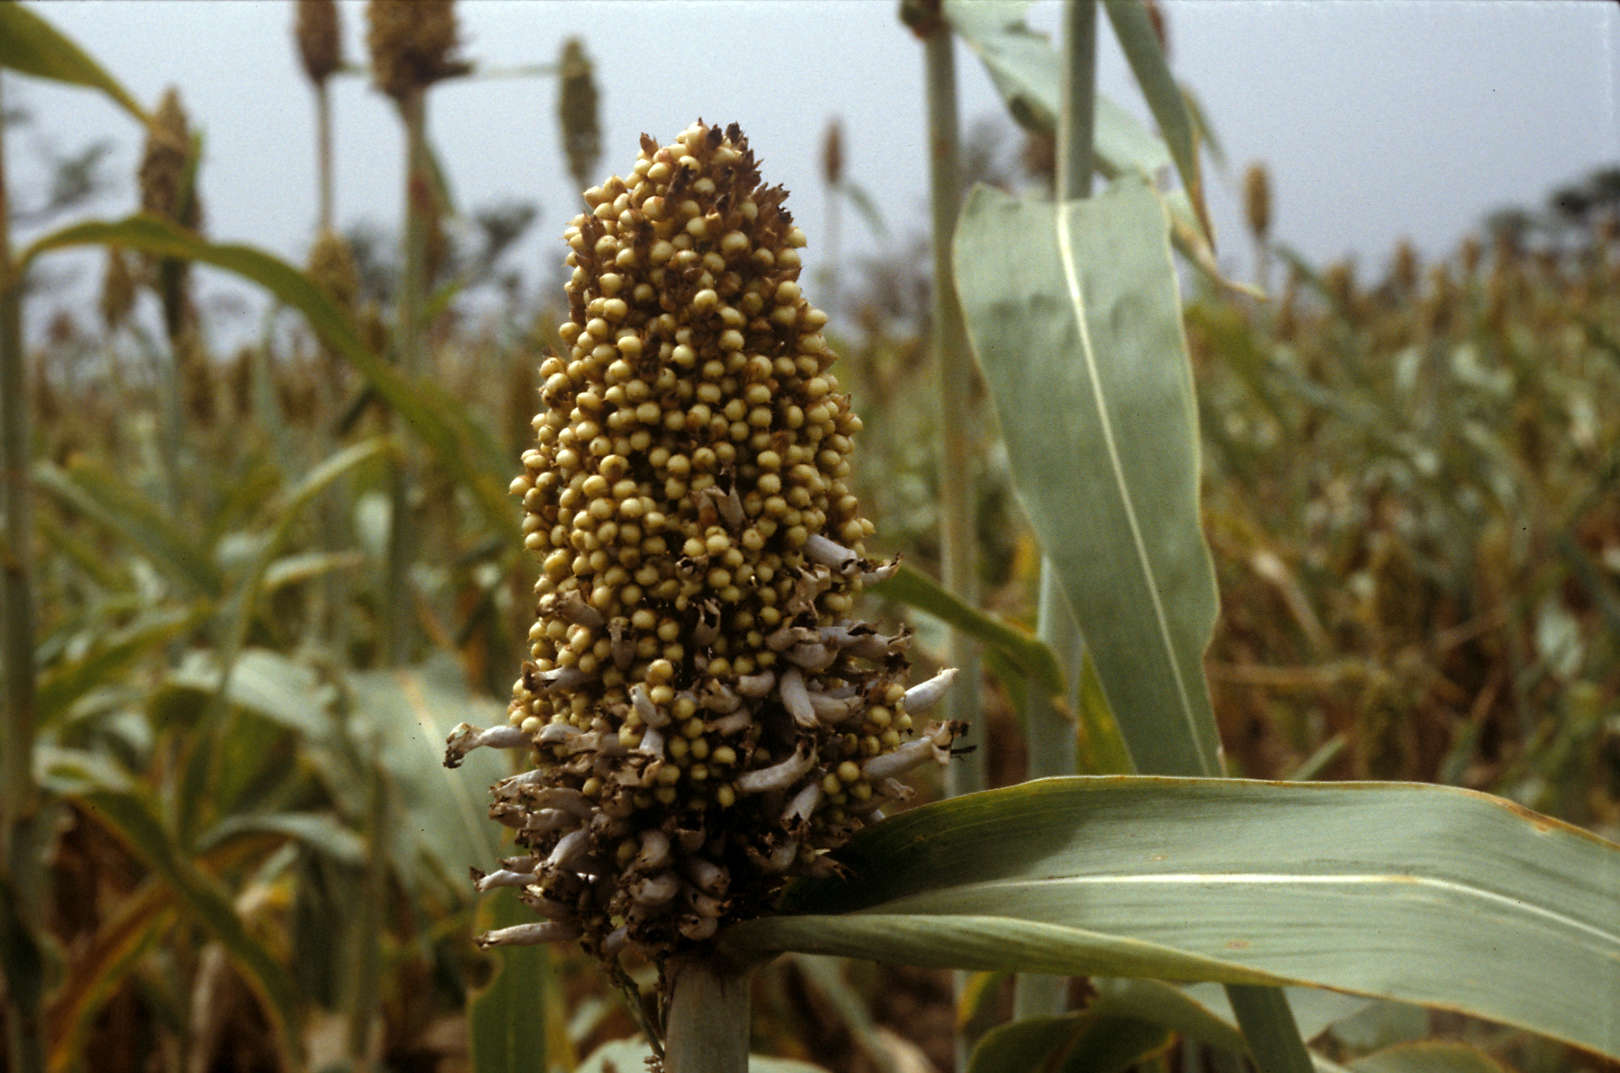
{"type": "Point", "coordinates": [709, 719]}
{"type": "Point", "coordinates": [332, 268]}
{"type": "Point", "coordinates": [164, 177]}
{"type": "Point", "coordinates": [1257, 200]}
{"type": "Point", "coordinates": [117, 289]}
{"type": "Point", "coordinates": [577, 111]}
{"type": "Point", "coordinates": [320, 44]}
{"type": "Point", "coordinates": [411, 44]}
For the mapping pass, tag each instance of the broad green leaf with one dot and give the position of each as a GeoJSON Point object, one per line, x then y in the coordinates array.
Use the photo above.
{"type": "Point", "coordinates": [1025, 69]}
{"type": "Point", "coordinates": [32, 46]}
{"type": "Point", "coordinates": [102, 495]}
{"type": "Point", "coordinates": [1100, 749]}
{"type": "Point", "coordinates": [1382, 1024]}
{"type": "Point", "coordinates": [1430, 1056]}
{"type": "Point", "coordinates": [288, 510]}
{"type": "Point", "coordinates": [1173, 1007]}
{"type": "Point", "coordinates": [1134, 29]}
{"type": "Point", "coordinates": [1314, 1009]}
{"type": "Point", "coordinates": [109, 658]}
{"type": "Point", "coordinates": [1024, 649]}
{"type": "Point", "coordinates": [319, 831]}
{"type": "Point", "coordinates": [267, 683]}
{"type": "Point", "coordinates": [305, 566]}
{"type": "Point", "coordinates": [129, 815]}
{"type": "Point", "coordinates": [408, 713]}
{"type": "Point", "coordinates": [867, 206]}
{"type": "Point", "coordinates": [1082, 1042]}
{"type": "Point", "coordinates": [506, 1018]}
{"type": "Point", "coordinates": [1074, 315]}
{"type": "Point", "coordinates": [1384, 889]}
{"type": "Point", "coordinates": [422, 404]}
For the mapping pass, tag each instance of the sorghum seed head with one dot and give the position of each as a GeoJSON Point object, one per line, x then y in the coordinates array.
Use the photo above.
{"type": "Point", "coordinates": [700, 549]}
{"type": "Point", "coordinates": [320, 42]}
{"type": "Point", "coordinates": [577, 111]}
{"type": "Point", "coordinates": [164, 177]}
{"type": "Point", "coordinates": [117, 289]}
{"type": "Point", "coordinates": [832, 154]}
{"type": "Point", "coordinates": [332, 268]}
{"type": "Point", "coordinates": [1257, 200]}
{"type": "Point", "coordinates": [411, 42]}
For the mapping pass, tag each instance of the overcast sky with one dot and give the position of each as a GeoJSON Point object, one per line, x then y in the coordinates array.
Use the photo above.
{"type": "Point", "coordinates": [1379, 119]}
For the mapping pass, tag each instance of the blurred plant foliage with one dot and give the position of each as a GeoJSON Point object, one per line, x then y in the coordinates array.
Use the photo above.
{"type": "Point", "coordinates": [1410, 490]}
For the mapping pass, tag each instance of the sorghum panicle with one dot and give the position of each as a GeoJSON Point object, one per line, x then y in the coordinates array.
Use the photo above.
{"type": "Point", "coordinates": [117, 289]}
{"type": "Point", "coordinates": [411, 42]}
{"type": "Point", "coordinates": [332, 268]}
{"type": "Point", "coordinates": [1257, 200]}
{"type": "Point", "coordinates": [707, 718]}
{"type": "Point", "coordinates": [320, 44]}
{"type": "Point", "coordinates": [165, 161]}
{"type": "Point", "coordinates": [577, 111]}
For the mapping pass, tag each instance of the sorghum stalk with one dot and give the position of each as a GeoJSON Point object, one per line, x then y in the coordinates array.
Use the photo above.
{"type": "Point", "coordinates": [411, 47]}
{"type": "Point", "coordinates": [832, 170]}
{"type": "Point", "coordinates": [24, 1027]}
{"type": "Point", "coordinates": [705, 717]}
{"type": "Point", "coordinates": [958, 547]}
{"type": "Point", "coordinates": [1050, 744]}
{"type": "Point", "coordinates": [320, 46]}
{"type": "Point", "coordinates": [332, 268]}
{"type": "Point", "coordinates": [955, 369]}
{"type": "Point", "coordinates": [165, 192]}
{"type": "Point", "coordinates": [1257, 214]}
{"type": "Point", "coordinates": [577, 112]}
{"type": "Point", "coordinates": [410, 340]}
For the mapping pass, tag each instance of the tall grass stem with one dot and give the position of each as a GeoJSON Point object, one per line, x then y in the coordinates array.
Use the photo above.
{"type": "Point", "coordinates": [18, 794]}
{"type": "Point", "coordinates": [708, 1026]}
{"type": "Point", "coordinates": [410, 344]}
{"type": "Point", "coordinates": [323, 153]}
{"type": "Point", "coordinates": [955, 370]}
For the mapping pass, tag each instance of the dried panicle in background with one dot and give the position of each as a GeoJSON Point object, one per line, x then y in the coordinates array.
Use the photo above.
{"type": "Point", "coordinates": [832, 153]}
{"type": "Point", "coordinates": [332, 268]}
{"type": "Point", "coordinates": [164, 177]}
{"type": "Point", "coordinates": [577, 111]}
{"type": "Point", "coordinates": [411, 43]}
{"type": "Point", "coordinates": [1257, 200]}
{"type": "Point", "coordinates": [117, 289]}
{"type": "Point", "coordinates": [707, 717]}
{"type": "Point", "coordinates": [320, 41]}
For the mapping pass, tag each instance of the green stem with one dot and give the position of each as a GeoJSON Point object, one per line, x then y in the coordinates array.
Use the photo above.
{"type": "Point", "coordinates": [18, 794]}
{"type": "Point", "coordinates": [1049, 730]}
{"type": "Point", "coordinates": [967, 773]}
{"type": "Point", "coordinates": [323, 153]}
{"type": "Point", "coordinates": [365, 961]}
{"type": "Point", "coordinates": [18, 563]}
{"type": "Point", "coordinates": [1077, 123]}
{"type": "Point", "coordinates": [708, 1023]}
{"type": "Point", "coordinates": [410, 338]}
{"type": "Point", "coordinates": [957, 550]}
{"type": "Point", "coordinates": [1269, 1029]}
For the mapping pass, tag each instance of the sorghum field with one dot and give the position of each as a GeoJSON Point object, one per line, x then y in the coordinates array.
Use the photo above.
{"type": "Point", "coordinates": [716, 591]}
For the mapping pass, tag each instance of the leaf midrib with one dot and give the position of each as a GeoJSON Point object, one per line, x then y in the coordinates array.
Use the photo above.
{"type": "Point", "coordinates": [1449, 890]}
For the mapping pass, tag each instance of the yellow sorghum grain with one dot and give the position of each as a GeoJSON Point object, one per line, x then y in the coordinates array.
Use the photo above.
{"type": "Point", "coordinates": [706, 717]}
